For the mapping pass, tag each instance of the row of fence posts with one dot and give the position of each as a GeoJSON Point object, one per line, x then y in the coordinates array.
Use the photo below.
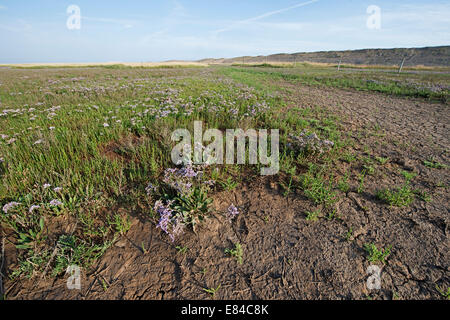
{"type": "Point", "coordinates": [399, 69]}
{"type": "Point", "coordinates": [339, 64]}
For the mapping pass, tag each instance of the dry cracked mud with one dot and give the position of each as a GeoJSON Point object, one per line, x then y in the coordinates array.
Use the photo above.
{"type": "Point", "coordinates": [286, 256]}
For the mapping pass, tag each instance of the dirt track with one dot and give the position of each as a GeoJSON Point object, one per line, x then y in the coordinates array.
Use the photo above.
{"type": "Point", "coordinates": [285, 256]}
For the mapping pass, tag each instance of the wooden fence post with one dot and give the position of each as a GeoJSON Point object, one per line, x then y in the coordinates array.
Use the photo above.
{"type": "Point", "coordinates": [401, 65]}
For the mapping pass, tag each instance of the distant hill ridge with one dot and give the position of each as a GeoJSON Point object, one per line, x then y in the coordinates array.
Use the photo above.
{"type": "Point", "coordinates": [427, 56]}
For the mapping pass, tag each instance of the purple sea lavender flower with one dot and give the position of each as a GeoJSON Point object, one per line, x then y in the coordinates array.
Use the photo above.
{"type": "Point", "coordinates": [187, 172]}
{"type": "Point", "coordinates": [56, 203]}
{"type": "Point", "coordinates": [232, 212]}
{"type": "Point", "coordinates": [181, 179]}
{"type": "Point", "coordinates": [165, 214]}
{"type": "Point", "coordinates": [9, 206]}
{"type": "Point", "coordinates": [33, 207]}
{"type": "Point", "coordinates": [169, 222]}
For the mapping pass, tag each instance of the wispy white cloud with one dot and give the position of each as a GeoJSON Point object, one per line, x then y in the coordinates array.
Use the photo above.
{"type": "Point", "coordinates": [3, 7]}
{"type": "Point", "coordinates": [255, 35]}
{"type": "Point", "coordinates": [122, 22]}
{"type": "Point", "coordinates": [177, 15]}
{"type": "Point", "coordinates": [262, 16]}
{"type": "Point", "coordinates": [280, 26]}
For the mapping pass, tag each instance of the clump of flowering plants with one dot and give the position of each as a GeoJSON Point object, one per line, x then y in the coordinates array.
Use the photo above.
{"type": "Point", "coordinates": [28, 224]}
{"type": "Point", "coordinates": [183, 200]}
{"type": "Point", "coordinates": [309, 143]}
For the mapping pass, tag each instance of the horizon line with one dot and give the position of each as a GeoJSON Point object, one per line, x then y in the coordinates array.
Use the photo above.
{"type": "Point", "coordinates": [171, 61]}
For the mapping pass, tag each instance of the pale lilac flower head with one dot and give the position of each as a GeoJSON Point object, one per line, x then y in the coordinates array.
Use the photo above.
{"type": "Point", "coordinates": [56, 203]}
{"type": "Point", "coordinates": [9, 206]}
{"type": "Point", "coordinates": [46, 186]}
{"type": "Point", "coordinates": [232, 212]}
{"type": "Point", "coordinates": [165, 213]}
{"type": "Point", "coordinates": [57, 189]}
{"type": "Point", "coordinates": [181, 179]}
{"type": "Point", "coordinates": [169, 222]}
{"type": "Point", "coordinates": [33, 207]}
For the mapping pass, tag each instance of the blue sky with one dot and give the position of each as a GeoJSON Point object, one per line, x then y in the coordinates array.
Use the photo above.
{"type": "Point", "coordinates": [156, 30]}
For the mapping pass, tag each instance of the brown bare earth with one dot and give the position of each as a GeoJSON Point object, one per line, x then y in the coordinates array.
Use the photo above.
{"type": "Point", "coordinates": [286, 256]}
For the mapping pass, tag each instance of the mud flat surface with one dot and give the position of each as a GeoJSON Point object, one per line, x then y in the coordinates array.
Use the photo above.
{"type": "Point", "coordinates": [286, 256]}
